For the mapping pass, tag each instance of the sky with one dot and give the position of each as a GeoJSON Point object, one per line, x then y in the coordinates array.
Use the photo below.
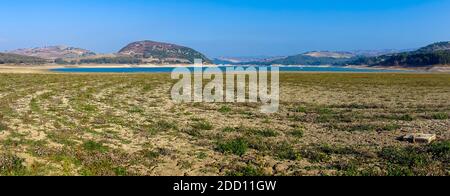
{"type": "Point", "coordinates": [226, 27]}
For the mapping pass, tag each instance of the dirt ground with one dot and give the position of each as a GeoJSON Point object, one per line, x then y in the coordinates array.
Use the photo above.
{"type": "Point", "coordinates": [126, 124]}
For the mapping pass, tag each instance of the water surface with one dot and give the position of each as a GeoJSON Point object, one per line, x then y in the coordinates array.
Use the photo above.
{"type": "Point", "coordinates": [170, 69]}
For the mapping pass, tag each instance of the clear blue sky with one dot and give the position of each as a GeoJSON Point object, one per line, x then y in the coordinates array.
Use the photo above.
{"type": "Point", "coordinates": [226, 27]}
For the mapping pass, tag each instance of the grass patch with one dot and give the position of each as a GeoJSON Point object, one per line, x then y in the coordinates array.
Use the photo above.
{"type": "Point", "coordinates": [94, 146]}
{"type": "Point", "coordinates": [249, 171]}
{"type": "Point", "coordinates": [440, 150]}
{"type": "Point", "coordinates": [225, 109]}
{"type": "Point", "coordinates": [162, 126]}
{"type": "Point", "coordinates": [389, 127]}
{"type": "Point", "coordinates": [265, 132]}
{"type": "Point", "coordinates": [12, 165]}
{"type": "Point", "coordinates": [300, 109]}
{"type": "Point", "coordinates": [410, 157]}
{"type": "Point", "coordinates": [237, 147]}
{"type": "Point", "coordinates": [3, 127]}
{"type": "Point", "coordinates": [285, 151]}
{"type": "Point", "coordinates": [202, 125]}
{"type": "Point", "coordinates": [136, 109]}
{"type": "Point", "coordinates": [440, 116]}
{"type": "Point", "coordinates": [298, 133]}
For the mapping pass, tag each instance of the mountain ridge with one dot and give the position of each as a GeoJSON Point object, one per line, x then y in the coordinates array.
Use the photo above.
{"type": "Point", "coordinates": [53, 52]}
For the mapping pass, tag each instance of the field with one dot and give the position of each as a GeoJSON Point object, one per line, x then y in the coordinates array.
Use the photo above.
{"type": "Point", "coordinates": [118, 124]}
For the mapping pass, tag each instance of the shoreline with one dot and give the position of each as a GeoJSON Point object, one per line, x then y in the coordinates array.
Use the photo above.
{"type": "Point", "coordinates": [46, 68]}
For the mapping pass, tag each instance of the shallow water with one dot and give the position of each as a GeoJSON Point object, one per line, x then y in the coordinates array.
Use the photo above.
{"type": "Point", "coordinates": [170, 69]}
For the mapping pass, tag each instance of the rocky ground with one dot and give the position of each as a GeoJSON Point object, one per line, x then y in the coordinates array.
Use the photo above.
{"type": "Point", "coordinates": [126, 124]}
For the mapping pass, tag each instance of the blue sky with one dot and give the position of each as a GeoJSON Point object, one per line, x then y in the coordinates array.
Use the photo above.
{"type": "Point", "coordinates": [226, 27]}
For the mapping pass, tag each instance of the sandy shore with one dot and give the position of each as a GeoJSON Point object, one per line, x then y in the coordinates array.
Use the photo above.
{"type": "Point", "coordinates": [45, 68]}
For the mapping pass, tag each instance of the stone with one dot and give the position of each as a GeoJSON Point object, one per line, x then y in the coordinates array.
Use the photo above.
{"type": "Point", "coordinates": [420, 138]}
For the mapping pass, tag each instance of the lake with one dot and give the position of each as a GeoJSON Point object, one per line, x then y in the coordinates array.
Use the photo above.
{"type": "Point", "coordinates": [170, 69]}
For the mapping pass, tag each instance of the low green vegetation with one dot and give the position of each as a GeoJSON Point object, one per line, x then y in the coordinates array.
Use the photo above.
{"type": "Point", "coordinates": [441, 116]}
{"type": "Point", "coordinates": [94, 146]}
{"type": "Point", "coordinates": [20, 59]}
{"type": "Point", "coordinates": [249, 171]}
{"type": "Point", "coordinates": [236, 146]}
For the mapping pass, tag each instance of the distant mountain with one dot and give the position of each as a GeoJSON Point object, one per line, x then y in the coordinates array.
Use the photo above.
{"type": "Point", "coordinates": [330, 54]}
{"type": "Point", "coordinates": [54, 52]}
{"type": "Point", "coordinates": [237, 60]}
{"type": "Point", "coordinates": [308, 58]}
{"type": "Point", "coordinates": [428, 56]}
{"type": "Point", "coordinates": [374, 53]}
{"type": "Point", "coordinates": [162, 53]}
{"type": "Point", "coordinates": [314, 58]}
{"type": "Point", "coordinates": [6, 58]}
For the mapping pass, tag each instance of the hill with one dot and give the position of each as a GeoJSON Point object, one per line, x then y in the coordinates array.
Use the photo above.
{"type": "Point", "coordinates": [162, 53]}
{"type": "Point", "coordinates": [329, 54]}
{"type": "Point", "coordinates": [6, 58]}
{"type": "Point", "coordinates": [54, 52]}
{"type": "Point", "coordinates": [440, 46]}
{"type": "Point", "coordinates": [428, 56]}
{"type": "Point", "coordinates": [309, 58]}
{"type": "Point", "coordinates": [243, 60]}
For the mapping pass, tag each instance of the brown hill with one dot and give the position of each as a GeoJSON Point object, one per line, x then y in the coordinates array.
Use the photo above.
{"type": "Point", "coordinates": [158, 52]}
{"type": "Point", "coordinates": [54, 52]}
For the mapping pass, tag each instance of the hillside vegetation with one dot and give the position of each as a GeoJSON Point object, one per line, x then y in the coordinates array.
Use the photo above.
{"type": "Point", "coordinates": [163, 53]}
{"type": "Point", "coordinates": [434, 54]}
{"type": "Point", "coordinates": [20, 59]}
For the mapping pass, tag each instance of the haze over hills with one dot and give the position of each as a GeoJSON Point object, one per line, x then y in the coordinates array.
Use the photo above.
{"type": "Point", "coordinates": [433, 54]}
{"type": "Point", "coordinates": [54, 52]}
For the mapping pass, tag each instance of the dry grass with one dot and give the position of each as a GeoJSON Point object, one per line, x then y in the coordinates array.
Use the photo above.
{"type": "Point", "coordinates": [328, 124]}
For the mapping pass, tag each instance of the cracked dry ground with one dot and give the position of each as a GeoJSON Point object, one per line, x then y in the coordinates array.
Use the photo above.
{"type": "Point", "coordinates": [126, 124]}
